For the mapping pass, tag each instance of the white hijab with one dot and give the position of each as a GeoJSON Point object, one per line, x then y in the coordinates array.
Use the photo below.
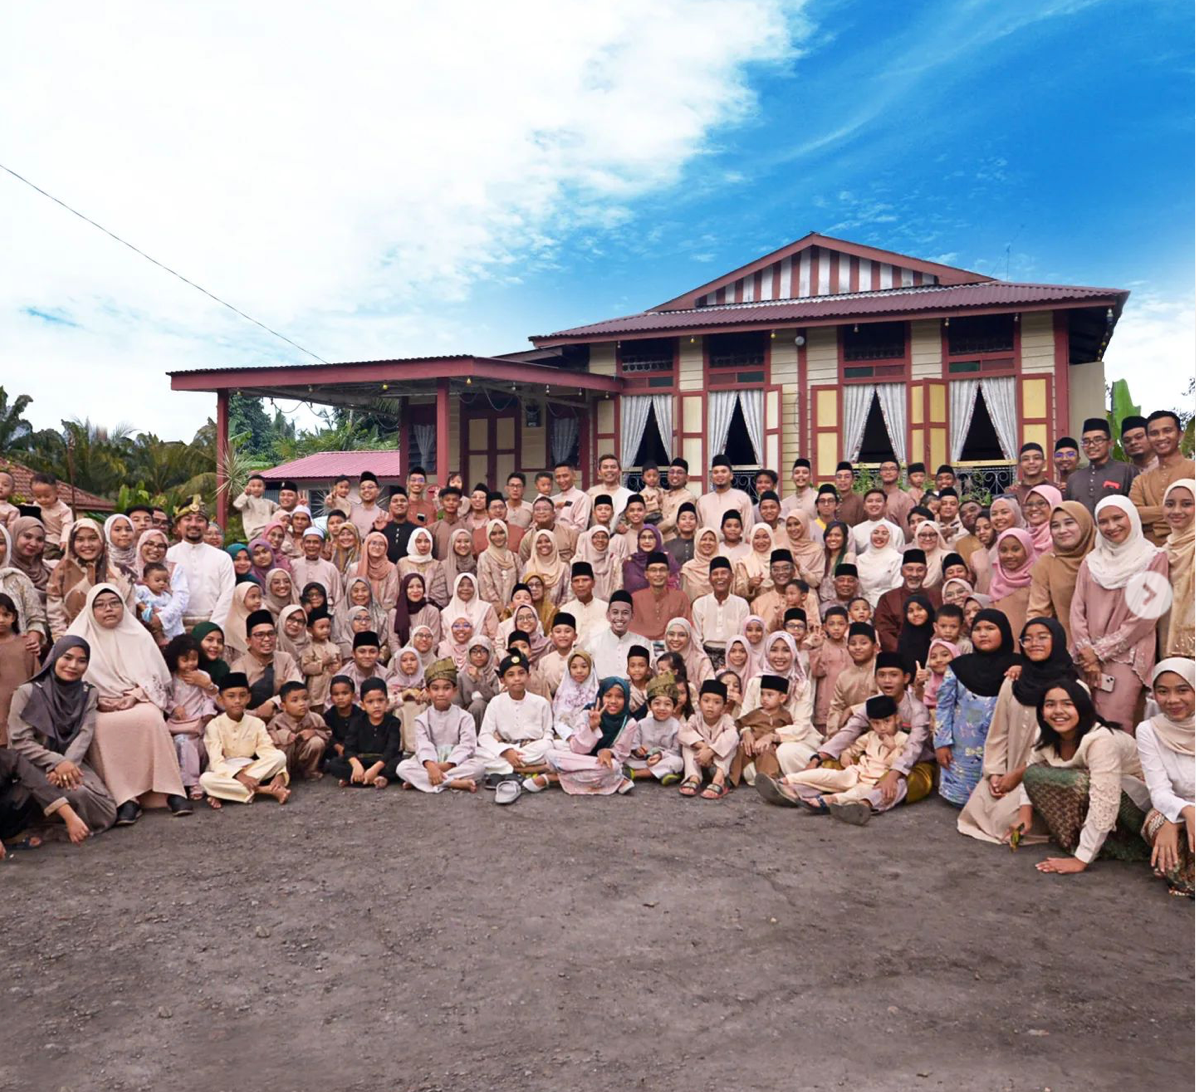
{"type": "Point", "coordinates": [1113, 567]}
{"type": "Point", "coordinates": [880, 569]}
{"type": "Point", "coordinates": [122, 658]}
{"type": "Point", "coordinates": [475, 609]}
{"type": "Point", "coordinates": [862, 533]}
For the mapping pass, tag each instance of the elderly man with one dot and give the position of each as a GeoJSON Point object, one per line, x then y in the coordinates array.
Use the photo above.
{"type": "Point", "coordinates": [210, 575]}
{"type": "Point", "coordinates": [544, 518]}
{"type": "Point", "coordinates": [890, 609]}
{"type": "Point", "coordinates": [588, 611]}
{"type": "Point", "coordinates": [719, 616]}
{"type": "Point", "coordinates": [657, 604]}
{"type": "Point", "coordinates": [312, 568]}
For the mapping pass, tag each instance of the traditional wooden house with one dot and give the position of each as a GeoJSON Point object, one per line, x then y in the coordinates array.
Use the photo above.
{"type": "Point", "coordinates": [824, 348]}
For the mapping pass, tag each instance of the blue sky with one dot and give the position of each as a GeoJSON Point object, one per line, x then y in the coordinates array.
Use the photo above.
{"type": "Point", "coordinates": [572, 164]}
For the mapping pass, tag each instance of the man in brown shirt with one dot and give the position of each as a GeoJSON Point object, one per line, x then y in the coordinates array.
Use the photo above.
{"type": "Point", "coordinates": [420, 510]}
{"type": "Point", "coordinates": [442, 530]}
{"type": "Point", "coordinates": [266, 667]}
{"type": "Point", "coordinates": [656, 605]}
{"type": "Point", "coordinates": [851, 504]}
{"type": "Point", "coordinates": [1147, 490]}
{"type": "Point", "coordinates": [1031, 472]}
{"type": "Point", "coordinates": [544, 519]}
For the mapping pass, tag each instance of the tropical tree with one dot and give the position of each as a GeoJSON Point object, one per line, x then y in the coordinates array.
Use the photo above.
{"type": "Point", "coordinates": [15, 431]}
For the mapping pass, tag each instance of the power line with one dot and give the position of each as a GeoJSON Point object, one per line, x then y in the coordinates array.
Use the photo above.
{"type": "Point", "coordinates": [160, 265]}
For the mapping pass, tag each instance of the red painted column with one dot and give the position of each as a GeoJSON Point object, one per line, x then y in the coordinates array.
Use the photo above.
{"type": "Point", "coordinates": [222, 497]}
{"type": "Point", "coordinates": [442, 431]}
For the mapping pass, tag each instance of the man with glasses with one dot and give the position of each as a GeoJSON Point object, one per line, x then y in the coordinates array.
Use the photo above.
{"type": "Point", "coordinates": [1103, 476]}
{"type": "Point", "coordinates": [266, 666]}
{"type": "Point", "coordinates": [1067, 459]}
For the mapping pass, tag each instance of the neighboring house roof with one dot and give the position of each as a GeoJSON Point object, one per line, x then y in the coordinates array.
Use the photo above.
{"type": "Point", "coordinates": [329, 465]}
{"type": "Point", "coordinates": [76, 498]}
{"type": "Point", "coordinates": [922, 301]}
{"type": "Point", "coordinates": [788, 273]}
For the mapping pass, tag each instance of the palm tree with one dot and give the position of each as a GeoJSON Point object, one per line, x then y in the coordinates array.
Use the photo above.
{"type": "Point", "coordinates": [15, 431]}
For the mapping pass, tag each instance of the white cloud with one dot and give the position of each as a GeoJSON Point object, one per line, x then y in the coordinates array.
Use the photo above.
{"type": "Point", "coordinates": [1153, 348]}
{"type": "Point", "coordinates": [342, 174]}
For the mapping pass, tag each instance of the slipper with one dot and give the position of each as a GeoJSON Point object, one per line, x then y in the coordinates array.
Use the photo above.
{"type": "Point", "coordinates": [718, 791]}
{"type": "Point", "coordinates": [770, 789]}
{"type": "Point", "coordinates": [690, 788]}
{"type": "Point", "coordinates": [32, 841]}
{"type": "Point", "coordinates": [493, 780]}
{"type": "Point", "coordinates": [857, 814]}
{"type": "Point", "coordinates": [670, 779]}
{"type": "Point", "coordinates": [530, 784]}
{"type": "Point", "coordinates": [508, 792]}
{"type": "Point", "coordinates": [625, 786]}
{"type": "Point", "coordinates": [817, 805]}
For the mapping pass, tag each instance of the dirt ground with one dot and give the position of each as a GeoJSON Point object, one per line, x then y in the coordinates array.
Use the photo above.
{"type": "Point", "coordinates": [370, 940]}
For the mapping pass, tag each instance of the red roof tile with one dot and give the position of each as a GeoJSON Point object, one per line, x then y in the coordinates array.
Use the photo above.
{"type": "Point", "coordinates": [887, 302]}
{"type": "Point", "coordinates": [83, 500]}
{"type": "Point", "coordinates": [331, 464]}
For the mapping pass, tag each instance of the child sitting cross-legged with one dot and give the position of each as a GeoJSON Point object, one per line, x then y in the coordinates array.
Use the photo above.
{"type": "Point", "coordinates": [299, 733]}
{"type": "Point", "coordinates": [708, 744]}
{"type": "Point", "coordinates": [373, 742]}
{"type": "Point", "coordinates": [591, 762]}
{"type": "Point", "coordinates": [850, 794]}
{"type": "Point", "coordinates": [242, 759]}
{"type": "Point", "coordinates": [653, 749]}
{"type": "Point", "coordinates": [761, 731]}
{"type": "Point", "coordinates": [342, 713]}
{"type": "Point", "coordinates": [446, 739]}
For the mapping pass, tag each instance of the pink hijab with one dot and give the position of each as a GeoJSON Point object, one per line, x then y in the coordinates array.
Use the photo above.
{"type": "Point", "coordinates": [1042, 534]}
{"type": "Point", "coordinates": [1003, 582]}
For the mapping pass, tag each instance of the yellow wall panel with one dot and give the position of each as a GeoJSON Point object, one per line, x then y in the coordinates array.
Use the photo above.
{"type": "Point", "coordinates": [692, 452]}
{"type": "Point", "coordinates": [772, 408]}
{"type": "Point", "coordinates": [938, 404]}
{"type": "Point", "coordinates": [926, 349]}
{"type": "Point", "coordinates": [827, 411]}
{"type": "Point", "coordinates": [1036, 434]}
{"type": "Point", "coordinates": [828, 455]}
{"type": "Point", "coordinates": [689, 366]}
{"type": "Point", "coordinates": [1038, 341]}
{"type": "Point", "coordinates": [916, 454]}
{"type": "Point", "coordinates": [772, 452]}
{"type": "Point", "coordinates": [504, 433]}
{"type": "Point", "coordinates": [606, 417]}
{"type": "Point", "coordinates": [784, 357]}
{"type": "Point", "coordinates": [1034, 398]}
{"type": "Point", "coordinates": [915, 409]}
{"type": "Point", "coordinates": [602, 358]}
{"type": "Point", "coordinates": [938, 447]}
{"type": "Point", "coordinates": [822, 354]}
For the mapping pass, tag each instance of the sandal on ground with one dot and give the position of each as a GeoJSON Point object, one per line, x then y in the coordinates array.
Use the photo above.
{"type": "Point", "coordinates": [534, 784]}
{"type": "Point", "coordinates": [690, 788]}
{"type": "Point", "coordinates": [773, 792]}
{"type": "Point", "coordinates": [625, 786]}
{"type": "Point", "coordinates": [30, 841]}
{"type": "Point", "coordinates": [508, 791]}
{"type": "Point", "coordinates": [857, 813]}
{"type": "Point", "coordinates": [715, 790]}
{"type": "Point", "coordinates": [670, 779]}
{"type": "Point", "coordinates": [817, 805]}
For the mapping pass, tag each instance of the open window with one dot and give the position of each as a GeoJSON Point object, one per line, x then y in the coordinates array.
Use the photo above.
{"type": "Point", "coordinates": [981, 443]}
{"type": "Point", "coordinates": [876, 446]}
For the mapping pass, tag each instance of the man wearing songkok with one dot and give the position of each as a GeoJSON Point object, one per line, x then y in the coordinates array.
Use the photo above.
{"type": "Point", "coordinates": [210, 575]}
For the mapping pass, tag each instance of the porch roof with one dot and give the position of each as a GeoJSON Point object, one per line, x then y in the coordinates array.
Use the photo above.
{"type": "Point", "coordinates": [328, 465]}
{"type": "Point", "coordinates": [364, 381]}
{"type": "Point", "coordinates": [920, 302]}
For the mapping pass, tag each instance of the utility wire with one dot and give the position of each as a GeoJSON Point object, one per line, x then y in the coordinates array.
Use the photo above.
{"type": "Point", "coordinates": [160, 265]}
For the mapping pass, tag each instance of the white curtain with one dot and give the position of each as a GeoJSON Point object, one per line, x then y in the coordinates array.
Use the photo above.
{"type": "Point", "coordinates": [752, 404]}
{"type": "Point", "coordinates": [720, 410]}
{"type": "Point", "coordinates": [1000, 395]}
{"type": "Point", "coordinates": [892, 407]}
{"type": "Point", "coordinates": [635, 409]}
{"type": "Point", "coordinates": [857, 402]}
{"type": "Point", "coordinates": [662, 404]}
{"type": "Point", "coordinates": [963, 405]}
{"type": "Point", "coordinates": [565, 431]}
{"type": "Point", "coordinates": [425, 440]}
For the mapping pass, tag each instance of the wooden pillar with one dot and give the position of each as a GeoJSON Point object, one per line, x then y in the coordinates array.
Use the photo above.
{"type": "Point", "coordinates": [404, 436]}
{"type": "Point", "coordinates": [222, 484]}
{"type": "Point", "coordinates": [442, 431]}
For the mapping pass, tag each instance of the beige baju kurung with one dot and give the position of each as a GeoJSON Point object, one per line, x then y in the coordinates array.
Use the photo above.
{"type": "Point", "coordinates": [235, 747]}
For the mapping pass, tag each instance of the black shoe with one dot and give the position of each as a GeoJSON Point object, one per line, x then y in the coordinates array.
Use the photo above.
{"type": "Point", "coordinates": [179, 806]}
{"type": "Point", "coordinates": [128, 813]}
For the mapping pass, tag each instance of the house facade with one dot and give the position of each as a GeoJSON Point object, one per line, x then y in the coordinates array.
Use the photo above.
{"type": "Point", "coordinates": [825, 349]}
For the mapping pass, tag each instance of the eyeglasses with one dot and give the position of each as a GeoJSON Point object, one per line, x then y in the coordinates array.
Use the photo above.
{"type": "Point", "coordinates": [1092, 441]}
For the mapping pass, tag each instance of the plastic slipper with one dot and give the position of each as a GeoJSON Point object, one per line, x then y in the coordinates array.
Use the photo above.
{"type": "Point", "coordinates": [857, 814]}
{"type": "Point", "coordinates": [719, 791]}
{"type": "Point", "coordinates": [530, 784]}
{"type": "Point", "coordinates": [817, 805]}
{"type": "Point", "coordinates": [690, 788]}
{"type": "Point", "coordinates": [769, 788]}
{"type": "Point", "coordinates": [508, 792]}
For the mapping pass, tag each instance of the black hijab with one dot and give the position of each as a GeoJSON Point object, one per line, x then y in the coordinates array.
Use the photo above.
{"type": "Point", "coordinates": [983, 672]}
{"type": "Point", "coordinates": [55, 708]}
{"type": "Point", "coordinates": [914, 641]}
{"type": "Point", "coordinates": [1037, 678]}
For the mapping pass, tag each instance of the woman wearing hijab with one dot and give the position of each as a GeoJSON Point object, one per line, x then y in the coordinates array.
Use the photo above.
{"type": "Point", "coordinates": [545, 607]}
{"type": "Point", "coordinates": [132, 750]}
{"type": "Point", "coordinates": [210, 638]}
{"type": "Point", "coordinates": [966, 700]}
{"type": "Point", "coordinates": [837, 550]}
{"type": "Point", "coordinates": [265, 558]}
{"type": "Point", "coordinates": [121, 538]}
{"type": "Point", "coordinates": [930, 540]}
{"type": "Point", "coordinates": [467, 603]}
{"type": "Point", "coordinates": [781, 657]}
{"type": "Point", "coordinates": [477, 682]}
{"type": "Point", "coordinates": [346, 550]}
{"type": "Point", "coordinates": [460, 560]}
{"type": "Point", "coordinates": [419, 560]}
{"type": "Point", "coordinates": [31, 607]}
{"type": "Point", "coordinates": [545, 562]}
{"type": "Point", "coordinates": [679, 638]}
{"type": "Point", "coordinates": [28, 552]}
{"type": "Point", "coordinates": [526, 620]}
{"type": "Point", "coordinates": [293, 637]}
{"type": "Point", "coordinates": [406, 687]}
{"type": "Point", "coordinates": [1045, 660]}
{"type": "Point", "coordinates": [238, 551]}
{"type": "Point", "coordinates": [247, 598]}
{"type": "Point", "coordinates": [753, 570]}
{"type": "Point", "coordinates": [498, 566]}
{"type": "Point", "coordinates": [1177, 631]}
{"type": "Point", "coordinates": [1167, 750]}
{"type": "Point", "coordinates": [1040, 502]}
{"type": "Point", "coordinates": [917, 629]}
{"type": "Point", "coordinates": [606, 556]}
{"type": "Point", "coordinates": [1053, 576]}
{"type": "Point", "coordinates": [593, 764]}
{"type": "Point", "coordinates": [379, 570]}
{"type": "Point", "coordinates": [634, 568]}
{"type": "Point", "coordinates": [1010, 587]}
{"type": "Point", "coordinates": [84, 565]}
{"type": "Point", "coordinates": [809, 558]}
{"type": "Point", "coordinates": [413, 609]}
{"type": "Point", "coordinates": [695, 573]}
{"type": "Point", "coordinates": [423, 640]}
{"type": "Point", "coordinates": [52, 722]}
{"type": "Point", "coordinates": [1083, 785]}
{"type": "Point", "coordinates": [754, 632]}
{"type": "Point", "coordinates": [279, 592]}
{"type": "Point", "coordinates": [1115, 648]}
{"type": "Point", "coordinates": [359, 595]}
{"type": "Point", "coordinates": [879, 566]}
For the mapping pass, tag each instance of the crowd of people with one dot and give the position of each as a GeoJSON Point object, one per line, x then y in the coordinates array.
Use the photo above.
{"type": "Point", "coordinates": [1028, 657]}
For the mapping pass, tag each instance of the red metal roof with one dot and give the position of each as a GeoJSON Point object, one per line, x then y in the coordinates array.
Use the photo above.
{"type": "Point", "coordinates": [331, 464]}
{"type": "Point", "coordinates": [822, 310]}
{"type": "Point", "coordinates": [82, 499]}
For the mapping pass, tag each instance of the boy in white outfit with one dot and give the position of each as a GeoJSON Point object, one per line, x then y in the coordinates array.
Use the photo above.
{"type": "Point", "coordinates": [446, 739]}
{"type": "Point", "coordinates": [652, 740]}
{"type": "Point", "coordinates": [516, 733]}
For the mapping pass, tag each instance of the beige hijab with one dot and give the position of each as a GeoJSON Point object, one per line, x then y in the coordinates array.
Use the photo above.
{"type": "Point", "coordinates": [1180, 636]}
{"type": "Point", "coordinates": [1177, 735]}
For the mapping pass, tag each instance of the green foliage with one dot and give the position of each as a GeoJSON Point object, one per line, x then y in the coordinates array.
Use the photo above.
{"type": "Point", "coordinates": [15, 431]}
{"type": "Point", "coordinates": [1121, 406]}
